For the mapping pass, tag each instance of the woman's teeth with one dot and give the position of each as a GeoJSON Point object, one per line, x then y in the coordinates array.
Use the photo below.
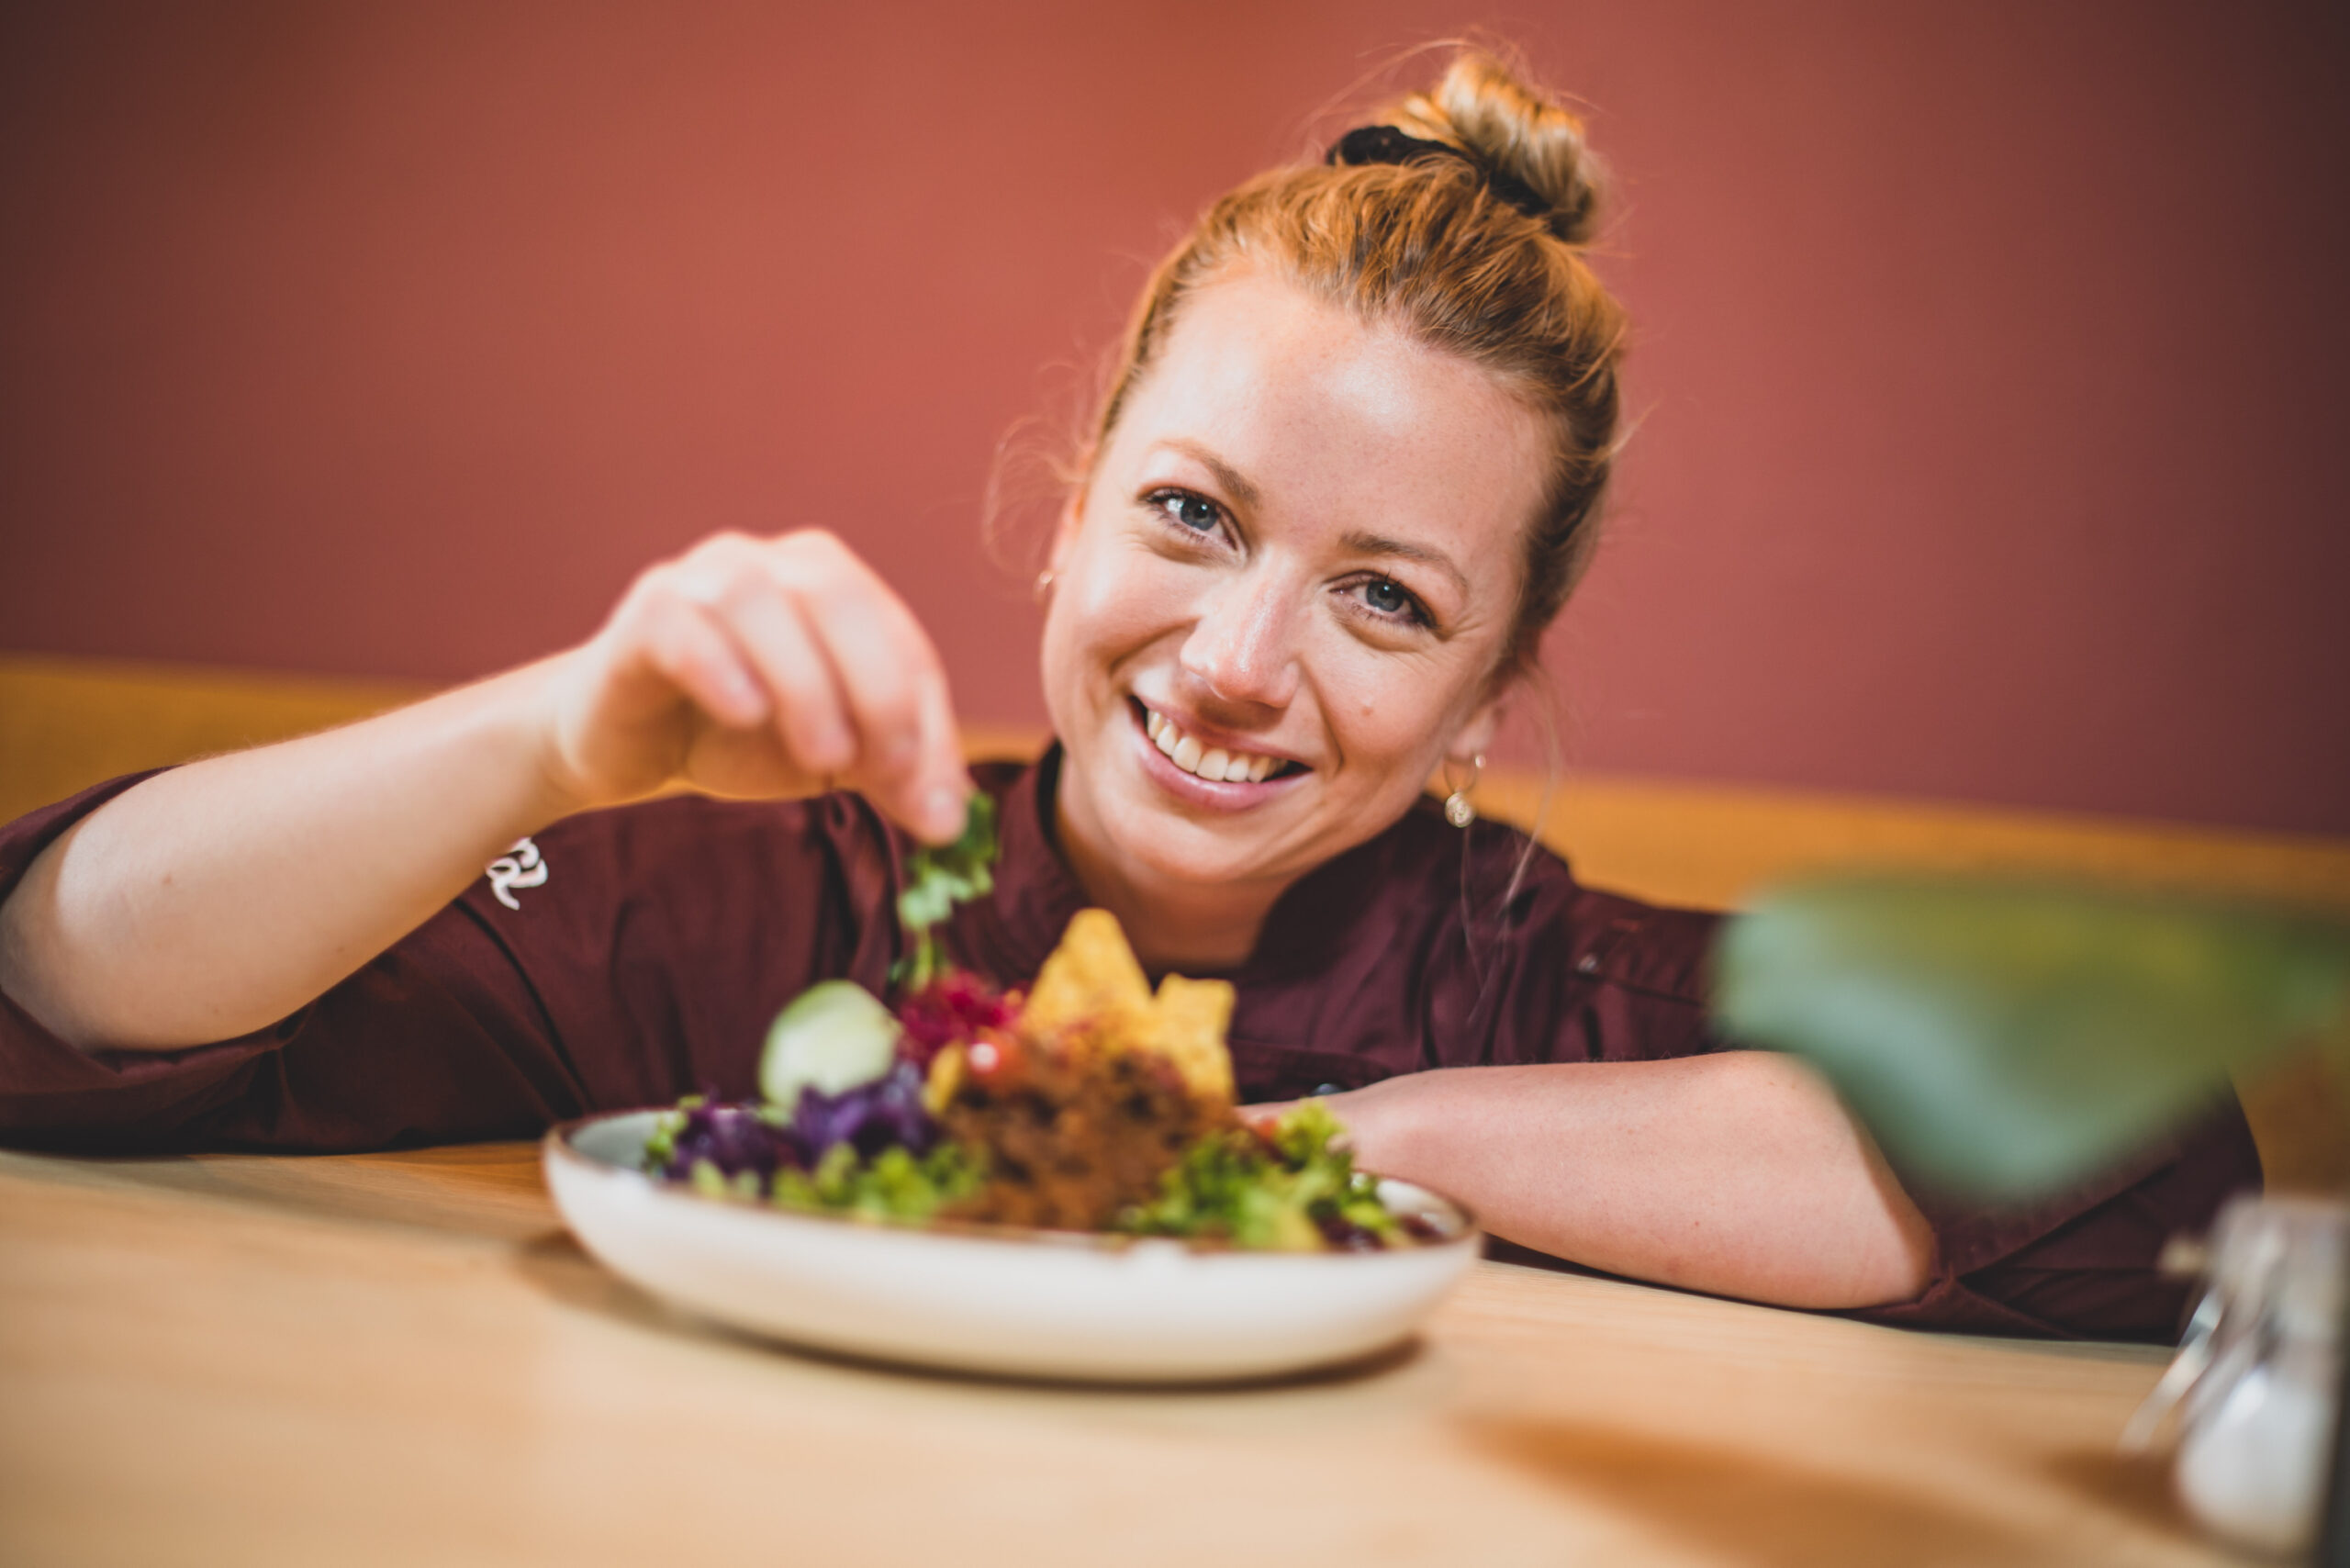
{"type": "Point", "coordinates": [1187, 754]}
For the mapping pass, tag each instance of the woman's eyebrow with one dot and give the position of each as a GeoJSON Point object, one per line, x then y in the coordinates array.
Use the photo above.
{"type": "Point", "coordinates": [1230, 480]}
{"type": "Point", "coordinates": [1380, 544]}
{"type": "Point", "coordinates": [1239, 487]}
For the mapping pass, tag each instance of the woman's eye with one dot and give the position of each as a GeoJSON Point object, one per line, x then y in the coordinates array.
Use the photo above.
{"type": "Point", "coordinates": [1197, 513]}
{"type": "Point", "coordinates": [1391, 600]}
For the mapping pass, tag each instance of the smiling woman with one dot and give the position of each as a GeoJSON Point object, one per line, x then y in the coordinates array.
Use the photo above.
{"type": "Point", "coordinates": [1297, 547]}
{"type": "Point", "coordinates": [1349, 471]}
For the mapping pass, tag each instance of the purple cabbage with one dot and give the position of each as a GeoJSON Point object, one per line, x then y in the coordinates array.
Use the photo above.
{"type": "Point", "coordinates": [884, 1114]}
{"type": "Point", "coordinates": [734, 1139]}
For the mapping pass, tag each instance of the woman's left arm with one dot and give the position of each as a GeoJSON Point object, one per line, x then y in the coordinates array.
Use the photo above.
{"type": "Point", "coordinates": [1738, 1173]}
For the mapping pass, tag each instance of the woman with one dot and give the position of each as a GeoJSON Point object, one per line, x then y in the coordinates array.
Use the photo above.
{"type": "Point", "coordinates": [1346, 474]}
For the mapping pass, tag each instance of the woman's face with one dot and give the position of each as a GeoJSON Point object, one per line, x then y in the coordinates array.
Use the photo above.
{"type": "Point", "coordinates": [1296, 557]}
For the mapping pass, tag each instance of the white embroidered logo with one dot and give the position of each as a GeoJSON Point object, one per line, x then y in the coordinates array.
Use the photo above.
{"type": "Point", "coordinates": [518, 867]}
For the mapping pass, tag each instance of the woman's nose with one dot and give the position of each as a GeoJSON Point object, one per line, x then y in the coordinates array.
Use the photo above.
{"type": "Point", "coordinates": [1243, 648]}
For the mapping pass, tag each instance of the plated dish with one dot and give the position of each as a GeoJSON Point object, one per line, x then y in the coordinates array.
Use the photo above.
{"type": "Point", "coordinates": [1053, 1182]}
{"type": "Point", "coordinates": [996, 1299]}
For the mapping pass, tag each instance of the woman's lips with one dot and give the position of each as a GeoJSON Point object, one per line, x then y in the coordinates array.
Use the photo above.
{"type": "Point", "coordinates": [1218, 775]}
{"type": "Point", "coordinates": [1214, 763]}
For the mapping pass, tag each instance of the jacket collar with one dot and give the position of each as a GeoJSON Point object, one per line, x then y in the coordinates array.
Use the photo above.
{"type": "Point", "coordinates": [1006, 937]}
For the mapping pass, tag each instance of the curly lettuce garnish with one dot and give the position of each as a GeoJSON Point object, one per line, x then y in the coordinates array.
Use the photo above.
{"type": "Point", "coordinates": [939, 879]}
{"type": "Point", "coordinates": [1290, 1190]}
{"type": "Point", "coordinates": [895, 1184]}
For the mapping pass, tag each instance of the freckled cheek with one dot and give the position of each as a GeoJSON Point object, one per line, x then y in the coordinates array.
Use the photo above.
{"type": "Point", "coordinates": [1124, 603]}
{"type": "Point", "coordinates": [1109, 605]}
{"type": "Point", "coordinates": [1382, 711]}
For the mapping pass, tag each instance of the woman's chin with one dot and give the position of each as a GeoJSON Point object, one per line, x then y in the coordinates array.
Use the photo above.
{"type": "Point", "coordinates": [1205, 872]}
{"type": "Point", "coordinates": [1165, 823]}
{"type": "Point", "coordinates": [1166, 839]}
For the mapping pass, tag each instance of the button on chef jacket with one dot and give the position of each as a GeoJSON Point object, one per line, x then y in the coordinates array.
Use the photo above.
{"type": "Point", "coordinates": [625, 958]}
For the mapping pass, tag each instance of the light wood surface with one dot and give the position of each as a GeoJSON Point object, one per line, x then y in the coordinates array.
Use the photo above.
{"type": "Point", "coordinates": [402, 1359]}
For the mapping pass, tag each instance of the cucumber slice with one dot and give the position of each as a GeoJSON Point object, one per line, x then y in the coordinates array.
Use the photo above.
{"type": "Point", "coordinates": [832, 1037]}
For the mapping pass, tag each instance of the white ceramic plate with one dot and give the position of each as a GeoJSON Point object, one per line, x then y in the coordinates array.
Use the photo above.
{"type": "Point", "coordinates": [994, 1299]}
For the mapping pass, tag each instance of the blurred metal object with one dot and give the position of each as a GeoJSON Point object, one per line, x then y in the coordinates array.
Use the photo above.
{"type": "Point", "coordinates": [2255, 1386]}
{"type": "Point", "coordinates": [2186, 1370]}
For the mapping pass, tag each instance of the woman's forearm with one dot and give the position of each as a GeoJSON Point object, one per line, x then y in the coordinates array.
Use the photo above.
{"type": "Point", "coordinates": [1738, 1174]}
{"type": "Point", "coordinates": [218, 898]}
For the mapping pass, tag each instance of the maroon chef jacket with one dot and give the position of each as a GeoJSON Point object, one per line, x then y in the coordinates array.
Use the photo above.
{"type": "Point", "coordinates": [641, 953]}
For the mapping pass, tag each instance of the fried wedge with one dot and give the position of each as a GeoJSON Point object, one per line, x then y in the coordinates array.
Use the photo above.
{"type": "Point", "coordinates": [1093, 982]}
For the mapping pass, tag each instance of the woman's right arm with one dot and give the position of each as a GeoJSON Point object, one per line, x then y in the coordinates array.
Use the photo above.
{"type": "Point", "coordinates": [218, 898]}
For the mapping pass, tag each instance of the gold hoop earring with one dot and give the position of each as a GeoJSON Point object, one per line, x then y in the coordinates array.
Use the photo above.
{"type": "Point", "coordinates": [1459, 810]}
{"type": "Point", "coordinates": [1044, 584]}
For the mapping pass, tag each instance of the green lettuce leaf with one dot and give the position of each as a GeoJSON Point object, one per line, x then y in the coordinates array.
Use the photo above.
{"type": "Point", "coordinates": [937, 878]}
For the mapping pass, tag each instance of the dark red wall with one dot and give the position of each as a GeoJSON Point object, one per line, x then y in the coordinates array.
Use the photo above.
{"type": "Point", "coordinates": [1989, 372]}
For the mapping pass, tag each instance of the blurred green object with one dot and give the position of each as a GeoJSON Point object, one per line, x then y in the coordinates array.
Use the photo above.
{"type": "Point", "coordinates": [2005, 1038]}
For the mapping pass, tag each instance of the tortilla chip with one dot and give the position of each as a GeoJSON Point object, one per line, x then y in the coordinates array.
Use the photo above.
{"type": "Point", "coordinates": [1091, 978]}
{"type": "Point", "coordinates": [1192, 1019]}
{"type": "Point", "coordinates": [1093, 982]}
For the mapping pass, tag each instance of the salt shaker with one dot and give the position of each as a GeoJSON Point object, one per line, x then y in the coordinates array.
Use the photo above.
{"type": "Point", "coordinates": [2259, 1373]}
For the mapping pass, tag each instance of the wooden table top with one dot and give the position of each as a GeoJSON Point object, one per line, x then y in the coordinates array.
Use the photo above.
{"type": "Point", "coordinates": [403, 1358]}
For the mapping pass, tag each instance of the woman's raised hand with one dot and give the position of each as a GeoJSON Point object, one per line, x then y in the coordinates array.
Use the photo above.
{"type": "Point", "coordinates": [760, 668]}
{"type": "Point", "coordinates": [190, 908]}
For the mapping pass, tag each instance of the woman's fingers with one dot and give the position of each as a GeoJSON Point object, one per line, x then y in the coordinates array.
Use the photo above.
{"type": "Point", "coordinates": [771, 632]}
{"type": "Point", "coordinates": [909, 756]}
{"type": "Point", "coordinates": [945, 779]}
{"type": "Point", "coordinates": [849, 681]}
{"type": "Point", "coordinates": [619, 714]}
{"type": "Point", "coordinates": [682, 644]}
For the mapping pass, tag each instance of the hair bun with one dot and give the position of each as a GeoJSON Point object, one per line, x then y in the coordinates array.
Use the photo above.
{"type": "Point", "coordinates": [1487, 110]}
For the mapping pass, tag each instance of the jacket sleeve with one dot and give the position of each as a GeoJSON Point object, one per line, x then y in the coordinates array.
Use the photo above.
{"type": "Point", "coordinates": [617, 959]}
{"type": "Point", "coordinates": [2084, 1263]}
{"type": "Point", "coordinates": [435, 1040]}
{"type": "Point", "coordinates": [2080, 1265]}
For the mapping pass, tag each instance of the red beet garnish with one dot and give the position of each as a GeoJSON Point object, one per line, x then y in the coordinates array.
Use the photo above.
{"type": "Point", "coordinates": [956, 1006]}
